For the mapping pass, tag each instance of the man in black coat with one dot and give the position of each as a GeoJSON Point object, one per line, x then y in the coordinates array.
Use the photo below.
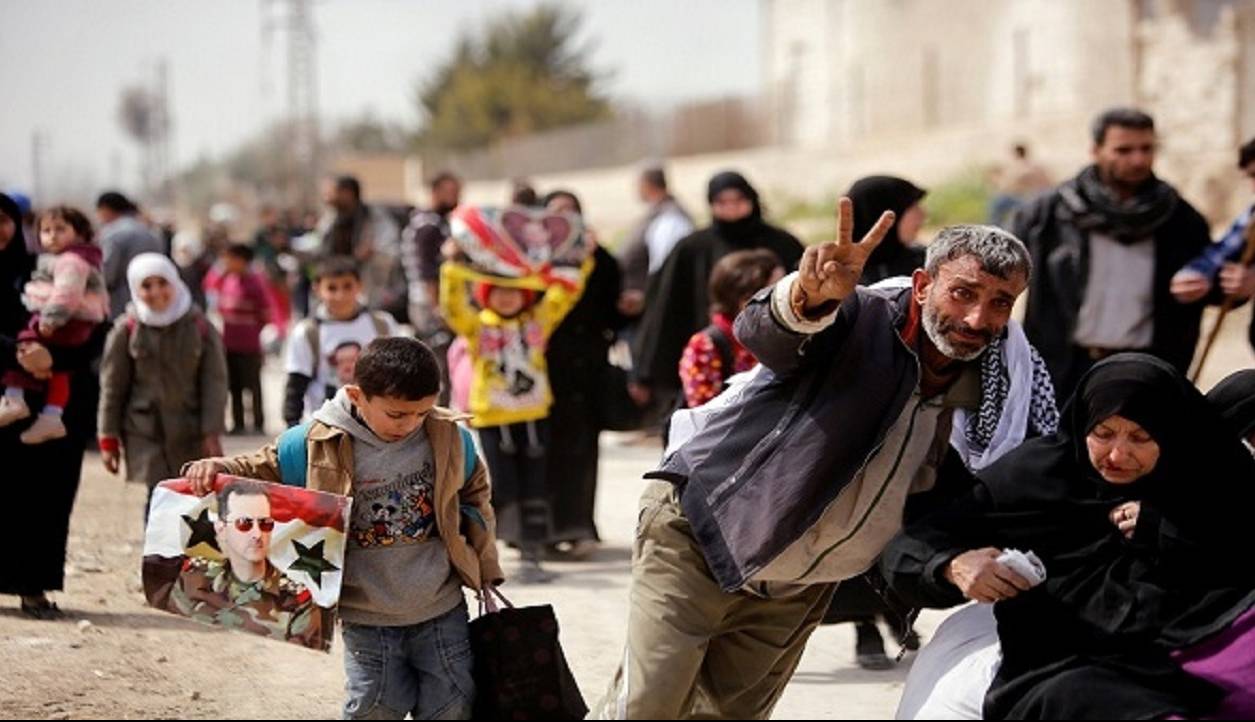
{"type": "Point", "coordinates": [1107, 244]}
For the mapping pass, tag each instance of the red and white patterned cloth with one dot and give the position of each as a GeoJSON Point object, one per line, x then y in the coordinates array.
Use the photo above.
{"type": "Point", "coordinates": [701, 368]}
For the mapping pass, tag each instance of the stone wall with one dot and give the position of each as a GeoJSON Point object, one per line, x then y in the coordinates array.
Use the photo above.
{"type": "Point", "coordinates": [928, 89]}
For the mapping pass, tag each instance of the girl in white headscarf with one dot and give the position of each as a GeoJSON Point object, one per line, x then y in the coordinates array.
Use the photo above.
{"type": "Point", "coordinates": [163, 378]}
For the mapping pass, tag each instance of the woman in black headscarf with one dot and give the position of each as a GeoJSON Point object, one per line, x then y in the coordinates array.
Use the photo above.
{"type": "Point", "coordinates": [47, 475]}
{"type": "Point", "coordinates": [578, 358]}
{"type": "Point", "coordinates": [677, 303]}
{"type": "Point", "coordinates": [897, 254]}
{"type": "Point", "coordinates": [16, 264]}
{"type": "Point", "coordinates": [1234, 397]}
{"type": "Point", "coordinates": [1125, 507]}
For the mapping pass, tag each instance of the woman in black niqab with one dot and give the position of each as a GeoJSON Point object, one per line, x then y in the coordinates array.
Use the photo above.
{"type": "Point", "coordinates": [677, 302]}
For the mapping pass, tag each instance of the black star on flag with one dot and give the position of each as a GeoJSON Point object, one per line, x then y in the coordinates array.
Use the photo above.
{"type": "Point", "coordinates": [311, 561]}
{"type": "Point", "coordinates": [202, 531]}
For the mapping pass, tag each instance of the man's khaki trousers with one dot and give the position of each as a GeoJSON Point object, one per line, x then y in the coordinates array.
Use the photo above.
{"type": "Point", "coordinates": [693, 650]}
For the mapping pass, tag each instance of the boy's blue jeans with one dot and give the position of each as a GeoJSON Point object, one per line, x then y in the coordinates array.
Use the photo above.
{"type": "Point", "coordinates": [423, 670]}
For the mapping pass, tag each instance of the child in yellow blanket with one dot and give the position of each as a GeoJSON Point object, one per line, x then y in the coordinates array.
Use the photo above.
{"type": "Point", "coordinates": [507, 324]}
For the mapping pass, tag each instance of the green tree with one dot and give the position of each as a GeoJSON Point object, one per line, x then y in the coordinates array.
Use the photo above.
{"type": "Point", "coordinates": [368, 134]}
{"type": "Point", "coordinates": [523, 75]}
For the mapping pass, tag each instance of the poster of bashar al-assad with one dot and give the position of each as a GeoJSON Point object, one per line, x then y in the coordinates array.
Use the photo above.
{"type": "Point", "coordinates": [258, 557]}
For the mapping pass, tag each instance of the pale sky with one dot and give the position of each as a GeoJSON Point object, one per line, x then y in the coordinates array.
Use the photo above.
{"type": "Point", "coordinates": [63, 63]}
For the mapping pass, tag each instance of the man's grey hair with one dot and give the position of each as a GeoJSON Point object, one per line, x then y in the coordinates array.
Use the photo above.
{"type": "Point", "coordinates": [998, 252]}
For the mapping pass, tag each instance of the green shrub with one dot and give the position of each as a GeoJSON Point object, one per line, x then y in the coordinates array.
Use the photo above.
{"type": "Point", "coordinates": [962, 199]}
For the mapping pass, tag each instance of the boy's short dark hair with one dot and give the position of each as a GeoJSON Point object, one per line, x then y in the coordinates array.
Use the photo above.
{"type": "Point", "coordinates": [335, 266]}
{"type": "Point", "coordinates": [655, 177]}
{"type": "Point", "coordinates": [443, 177]}
{"type": "Point", "coordinates": [523, 194]}
{"type": "Point", "coordinates": [350, 184]}
{"type": "Point", "coordinates": [398, 367]}
{"type": "Point", "coordinates": [738, 276]}
{"type": "Point", "coordinates": [1121, 118]}
{"type": "Point", "coordinates": [242, 251]}
{"type": "Point", "coordinates": [77, 220]}
{"type": "Point", "coordinates": [116, 202]}
{"type": "Point", "coordinates": [1246, 154]}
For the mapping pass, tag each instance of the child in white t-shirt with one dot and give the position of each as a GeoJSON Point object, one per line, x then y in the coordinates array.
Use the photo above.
{"type": "Point", "coordinates": [317, 347]}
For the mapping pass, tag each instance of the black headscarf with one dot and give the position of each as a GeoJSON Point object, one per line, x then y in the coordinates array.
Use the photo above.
{"type": "Point", "coordinates": [679, 303]}
{"type": "Point", "coordinates": [1234, 398]}
{"type": "Point", "coordinates": [746, 228]}
{"type": "Point", "coordinates": [1108, 601]}
{"type": "Point", "coordinates": [876, 194]}
{"type": "Point", "coordinates": [346, 231]}
{"type": "Point", "coordinates": [16, 265]}
{"type": "Point", "coordinates": [872, 196]}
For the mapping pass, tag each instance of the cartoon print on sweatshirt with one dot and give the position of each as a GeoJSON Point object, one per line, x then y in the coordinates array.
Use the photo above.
{"type": "Point", "coordinates": [401, 511]}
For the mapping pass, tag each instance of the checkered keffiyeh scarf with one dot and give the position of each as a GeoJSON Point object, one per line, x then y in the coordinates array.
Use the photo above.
{"type": "Point", "coordinates": [1017, 402]}
{"type": "Point", "coordinates": [1017, 399]}
{"type": "Point", "coordinates": [1043, 415]}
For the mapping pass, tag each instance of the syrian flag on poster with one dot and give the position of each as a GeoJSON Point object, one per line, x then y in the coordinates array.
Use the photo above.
{"type": "Point", "coordinates": [307, 544]}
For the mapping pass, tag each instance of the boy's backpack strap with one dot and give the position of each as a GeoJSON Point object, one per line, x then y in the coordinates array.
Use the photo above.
{"type": "Point", "coordinates": [310, 330]}
{"type": "Point", "coordinates": [294, 455]}
{"type": "Point", "coordinates": [727, 355]}
{"type": "Point", "coordinates": [202, 324]}
{"type": "Point", "coordinates": [468, 452]}
{"type": "Point", "coordinates": [380, 321]}
{"type": "Point", "coordinates": [468, 470]}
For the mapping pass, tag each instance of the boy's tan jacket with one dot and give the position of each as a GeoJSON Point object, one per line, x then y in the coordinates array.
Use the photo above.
{"type": "Point", "coordinates": [472, 548]}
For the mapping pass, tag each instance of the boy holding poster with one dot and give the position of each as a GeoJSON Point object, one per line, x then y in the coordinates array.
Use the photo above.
{"type": "Point", "coordinates": [421, 528]}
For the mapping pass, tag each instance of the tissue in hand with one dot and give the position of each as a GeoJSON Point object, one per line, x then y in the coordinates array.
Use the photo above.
{"type": "Point", "coordinates": [1026, 564]}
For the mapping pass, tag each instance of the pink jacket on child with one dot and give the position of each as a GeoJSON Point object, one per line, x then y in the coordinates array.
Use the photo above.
{"type": "Point", "coordinates": [68, 286]}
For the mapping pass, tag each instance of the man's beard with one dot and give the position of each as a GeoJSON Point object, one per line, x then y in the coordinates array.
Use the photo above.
{"type": "Point", "coordinates": [1124, 184]}
{"type": "Point", "coordinates": [937, 330]}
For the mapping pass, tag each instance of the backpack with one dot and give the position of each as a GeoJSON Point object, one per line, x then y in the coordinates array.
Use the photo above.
{"type": "Point", "coordinates": [727, 357]}
{"type": "Point", "coordinates": [293, 452]}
